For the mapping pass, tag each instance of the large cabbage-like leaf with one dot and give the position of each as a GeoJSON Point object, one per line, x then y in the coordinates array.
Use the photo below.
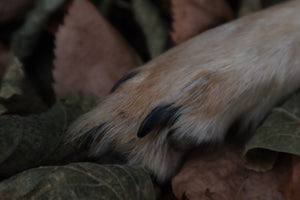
{"type": "Point", "coordinates": [80, 181]}
{"type": "Point", "coordinates": [279, 133]}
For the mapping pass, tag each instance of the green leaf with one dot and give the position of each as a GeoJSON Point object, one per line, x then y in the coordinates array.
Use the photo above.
{"type": "Point", "coordinates": [249, 6]}
{"type": "Point", "coordinates": [154, 27]}
{"type": "Point", "coordinates": [279, 133]}
{"type": "Point", "coordinates": [22, 45]}
{"type": "Point", "coordinates": [12, 78]}
{"type": "Point", "coordinates": [3, 109]}
{"type": "Point", "coordinates": [16, 93]}
{"type": "Point", "coordinates": [104, 6]}
{"type": "Point", "coordinates": [80, 181]}
{"type": "Point", "coordinates": [26, 37]}
{"type": "Point", "coordinates": [33, 140]}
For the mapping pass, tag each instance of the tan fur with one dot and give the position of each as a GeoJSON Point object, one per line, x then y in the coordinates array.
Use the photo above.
{"type": "Point", "coordinates": [236, 71]}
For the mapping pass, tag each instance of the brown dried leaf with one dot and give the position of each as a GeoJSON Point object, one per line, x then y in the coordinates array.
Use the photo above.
{"type": "Point", "coordinates": [14, 8]}
{"type": "Point", "coordinates": [291, 187]}
{"type": "Point", "coordinates": [191, 17]}
{"type": "Point", "coordinates": [220, 175]}
{"type": "Point", "coordinates": [90, 54]}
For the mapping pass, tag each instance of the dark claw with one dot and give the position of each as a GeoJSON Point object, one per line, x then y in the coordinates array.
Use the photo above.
{"type": "Point", "coordinates": [159, 117]}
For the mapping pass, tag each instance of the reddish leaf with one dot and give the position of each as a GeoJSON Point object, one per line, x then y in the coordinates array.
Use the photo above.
{"type": "Point", "coordinates": [191, 17]}
{"type": "Point", "coordinates": [291, 187]}
{"type": "Point", "coordinates": [220, 175]}
{"type": "Point", "coordinates": [90, 54]}
{"type": "Point", "coordinates": [13, 8]}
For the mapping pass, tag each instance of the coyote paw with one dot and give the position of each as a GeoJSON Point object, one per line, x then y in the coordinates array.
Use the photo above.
{"type": "Point", "coordinates": [154, 116]}
{"type": "Point", "coordinates": [193, 93]}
